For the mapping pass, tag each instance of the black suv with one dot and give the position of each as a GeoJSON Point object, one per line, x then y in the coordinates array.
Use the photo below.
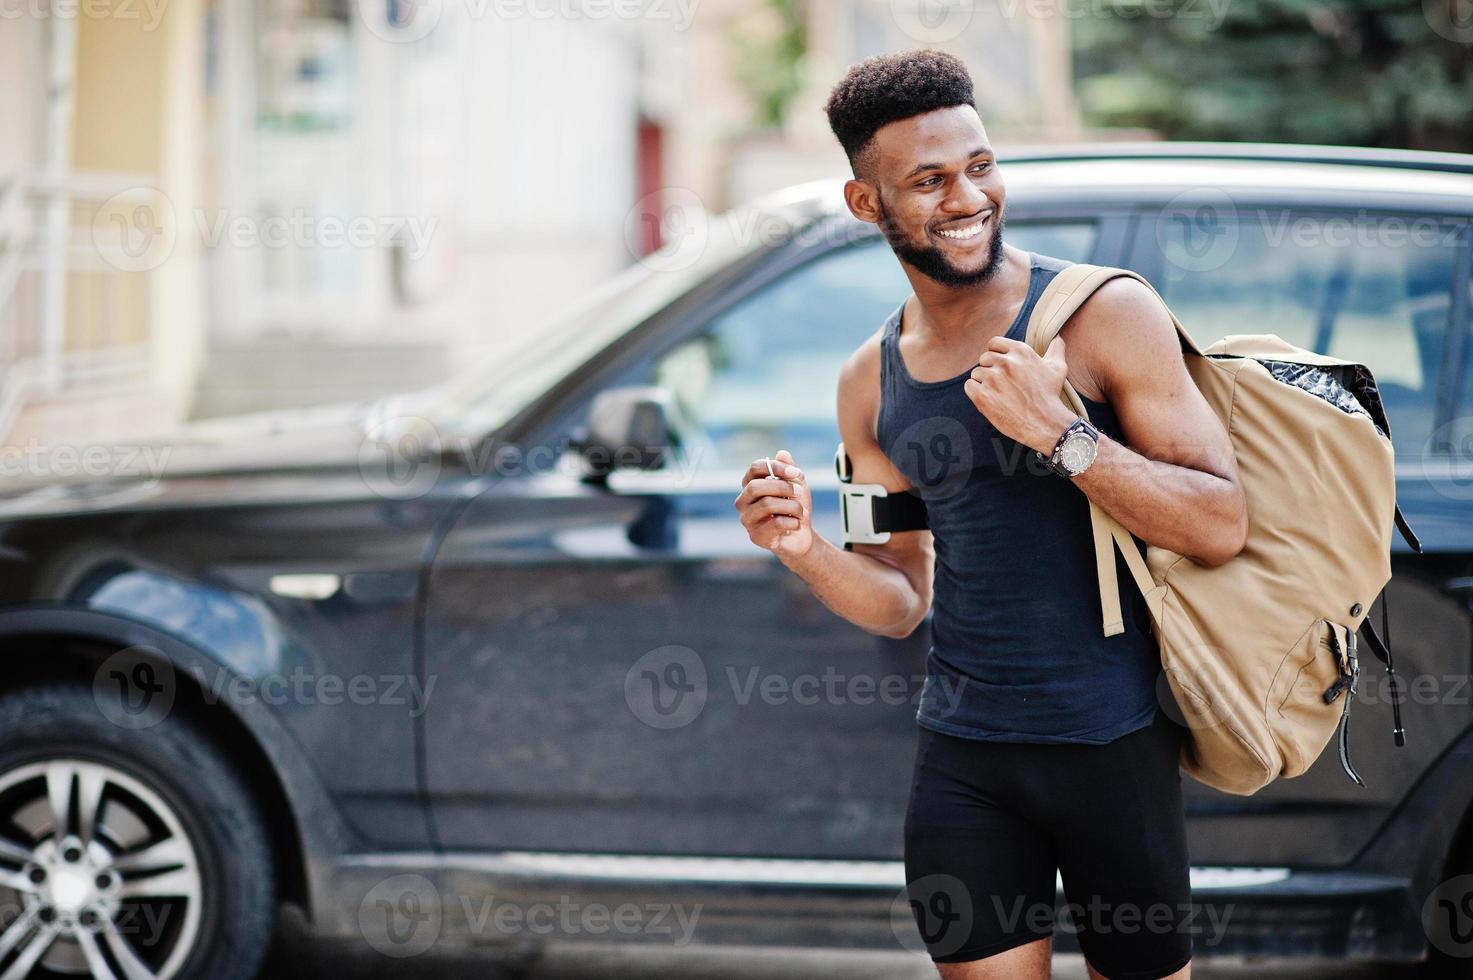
{"type": "Point", "coordinates": [496, 662]}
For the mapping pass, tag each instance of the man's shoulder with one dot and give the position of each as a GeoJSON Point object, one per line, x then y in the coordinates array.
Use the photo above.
{"type": "Point", "coordinates": [1123, 300]}
{"type": "Point", "coordinates": [1052, 263]}
{"type": "Point", "coordinates": [861, 369]}
{"type": "Point", "coordinates": [864, 361]}
{"type": "Point", "coordinates": [860, 376]}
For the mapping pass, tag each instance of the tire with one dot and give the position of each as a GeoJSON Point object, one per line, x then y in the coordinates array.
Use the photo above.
{"type": "Point", "coordinates": [174, 867]}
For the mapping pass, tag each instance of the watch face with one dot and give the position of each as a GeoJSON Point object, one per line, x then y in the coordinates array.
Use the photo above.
{"type": "Point", "coordinates": [1077, 452]}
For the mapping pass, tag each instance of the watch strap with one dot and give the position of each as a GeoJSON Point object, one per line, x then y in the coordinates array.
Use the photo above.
{"type": "Point", "coordinates": [1052, 460]}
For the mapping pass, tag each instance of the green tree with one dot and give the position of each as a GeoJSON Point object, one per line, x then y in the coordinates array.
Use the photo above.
{"type": "Point", "coordinates": [769, 49]}
{"type": "Point", "coordinates": [1394, 73]}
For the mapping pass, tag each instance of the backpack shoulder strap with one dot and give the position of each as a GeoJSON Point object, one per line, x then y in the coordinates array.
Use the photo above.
{"type": "Point", "coordinates": [1065, 293]}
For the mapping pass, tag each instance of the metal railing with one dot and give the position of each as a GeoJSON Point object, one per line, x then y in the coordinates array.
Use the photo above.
{"type": "Point", "coordinates": [74, 322]}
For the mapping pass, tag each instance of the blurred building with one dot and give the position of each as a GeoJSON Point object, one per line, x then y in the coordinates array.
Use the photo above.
{"type": "Point", "coordinates": [95, 112]}
{"type": "Point", "coordinates": [216, 206]}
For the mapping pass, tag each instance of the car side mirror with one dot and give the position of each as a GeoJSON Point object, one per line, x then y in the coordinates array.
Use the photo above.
{"type": "Point", "coordinates": [630, 427]}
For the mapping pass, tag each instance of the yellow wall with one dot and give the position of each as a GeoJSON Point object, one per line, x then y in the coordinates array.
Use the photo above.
{"type": "Point", "coordinates": [140, 115]}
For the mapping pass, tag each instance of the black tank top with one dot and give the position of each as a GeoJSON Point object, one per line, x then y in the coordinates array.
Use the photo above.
{"type": "Point", "coordinates": [1017, 653]}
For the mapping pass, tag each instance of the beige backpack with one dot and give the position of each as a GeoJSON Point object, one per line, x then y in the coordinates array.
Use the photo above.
{"type": "Point", "coordinates": [1260, 652]}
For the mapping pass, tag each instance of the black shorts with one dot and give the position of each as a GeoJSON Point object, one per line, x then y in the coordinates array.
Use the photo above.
{"type": "Point", "coordinates": [990, 822]}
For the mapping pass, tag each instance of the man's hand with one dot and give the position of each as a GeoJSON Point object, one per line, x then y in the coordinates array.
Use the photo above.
{"type": "Point", "coordinates": [777, 513]}
{"type": "Point", "coordinates": [1019, 391]}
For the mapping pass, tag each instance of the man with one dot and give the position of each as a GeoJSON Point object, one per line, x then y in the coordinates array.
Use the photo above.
{"type": "Point", "coordinates": [1056, 754]}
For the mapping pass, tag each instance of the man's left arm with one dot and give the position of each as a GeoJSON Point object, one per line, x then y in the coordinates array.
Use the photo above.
{"type": "Point", "coordinates": [1175, 483]}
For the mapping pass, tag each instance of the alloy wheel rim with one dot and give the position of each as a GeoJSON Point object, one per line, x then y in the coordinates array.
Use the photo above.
{"type": "Point", "coordinates": [99, 875]}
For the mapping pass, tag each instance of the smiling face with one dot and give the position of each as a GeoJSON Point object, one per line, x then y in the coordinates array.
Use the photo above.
{"type": "Point", "coordinates": [937, 195]}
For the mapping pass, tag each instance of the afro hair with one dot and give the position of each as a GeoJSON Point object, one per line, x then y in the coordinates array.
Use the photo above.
{"type": "Point", "coordinates": [884, 88]}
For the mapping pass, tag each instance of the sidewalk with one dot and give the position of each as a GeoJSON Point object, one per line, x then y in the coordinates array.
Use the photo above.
{"type": "Point", "coordinates": [298, 957]}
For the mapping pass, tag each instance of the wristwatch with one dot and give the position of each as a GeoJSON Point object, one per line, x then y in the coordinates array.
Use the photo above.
{"type": "Point", "coordinates": [1075, 450]}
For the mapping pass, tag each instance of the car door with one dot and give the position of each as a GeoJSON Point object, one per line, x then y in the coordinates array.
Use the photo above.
{"type": "Point", "coordinates": [1381, 288]}
{"type": "Point", "coordinates": [620, 669]}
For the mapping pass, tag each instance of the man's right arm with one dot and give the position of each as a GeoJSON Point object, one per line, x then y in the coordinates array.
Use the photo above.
{"type": "Point", "coordinates": [884, 589]}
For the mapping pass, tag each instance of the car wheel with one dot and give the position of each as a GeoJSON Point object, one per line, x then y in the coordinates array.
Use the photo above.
{"type": "Point", "coordinates": [125, 854]}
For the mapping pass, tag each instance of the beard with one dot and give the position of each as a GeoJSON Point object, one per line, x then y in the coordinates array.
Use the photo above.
{"type": "Point", "coordinates": [932, 262]}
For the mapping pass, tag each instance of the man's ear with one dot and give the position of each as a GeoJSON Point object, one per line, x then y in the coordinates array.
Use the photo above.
{"type": "Point", "coordinates": [863, 200]}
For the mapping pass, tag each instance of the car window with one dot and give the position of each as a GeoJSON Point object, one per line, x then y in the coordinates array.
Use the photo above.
{"type": "Point", "coordinates": [763, 376]}
{"type": "Point", "coordinates": [1376, 289]}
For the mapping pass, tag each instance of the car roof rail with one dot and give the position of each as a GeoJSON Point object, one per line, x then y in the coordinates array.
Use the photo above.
{"type": "Point", "coordinates": [1249, 152]}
